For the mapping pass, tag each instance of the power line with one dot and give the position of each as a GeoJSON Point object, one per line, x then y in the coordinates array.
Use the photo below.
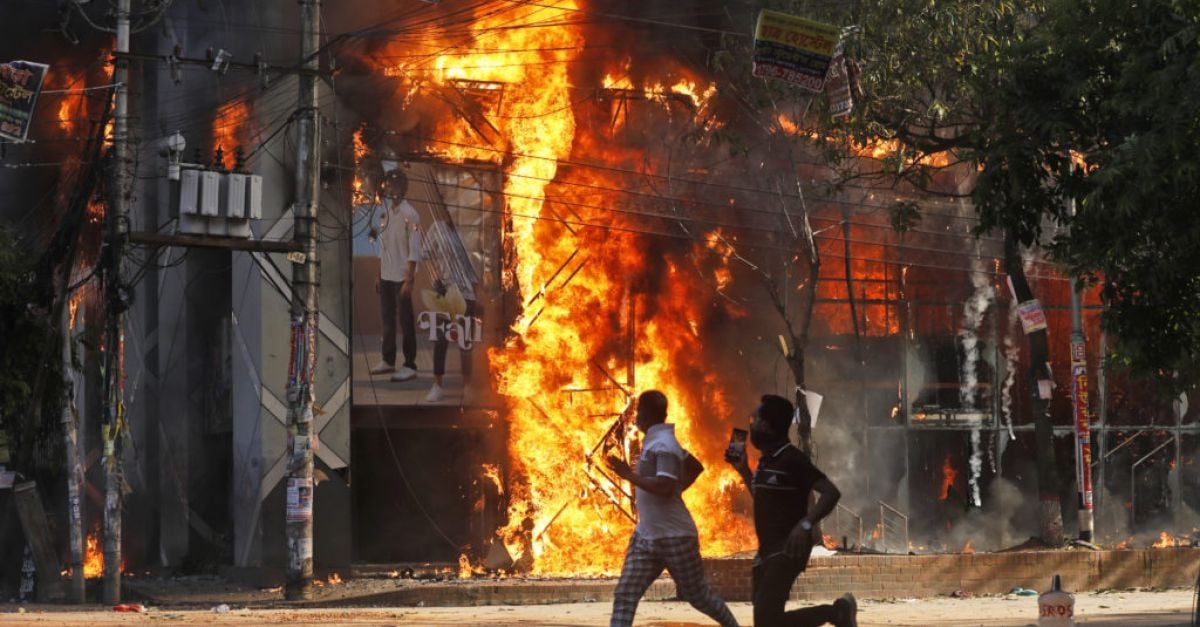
{"type": "Point", "coordinates": [581, 223]}
{"type": "Point", "coordinates": [693, 202]}
{"type": "Point", "coordinates": [663, 177]}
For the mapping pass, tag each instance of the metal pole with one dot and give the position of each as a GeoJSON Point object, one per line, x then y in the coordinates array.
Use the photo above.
{"type": "Point", "coordinates": [76, 591]}
{"type": "Point", "coordinates": [1175, 477]}
{"type": "Point", "coordinates": [1079, 402]}
{"type": "Point", "coordinates": [118, 227]}
{"type": "Point", "coordinates": [1101, 419]}
{"type": "Point", "coordinates": [304, 314]}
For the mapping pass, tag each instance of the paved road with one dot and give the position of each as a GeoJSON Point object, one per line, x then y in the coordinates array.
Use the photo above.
{"type": "Point", "coordinates": [1107, 609]}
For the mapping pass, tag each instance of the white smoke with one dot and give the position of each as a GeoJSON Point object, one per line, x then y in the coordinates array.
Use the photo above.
{"type": "Point", "coordinates": [1012, 354]}
{"type": "Point", "coordinates": [976, 307]}
{"type": "Point", "coordinates": [976, 467]}
{"type": "Point", "coordinates": [973, 312]}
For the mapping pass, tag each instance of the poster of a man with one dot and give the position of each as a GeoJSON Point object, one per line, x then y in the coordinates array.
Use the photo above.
{"type": "Point", "coordinates": [399, 252]}
{"type": "Point", "coordinates": [428, 239]}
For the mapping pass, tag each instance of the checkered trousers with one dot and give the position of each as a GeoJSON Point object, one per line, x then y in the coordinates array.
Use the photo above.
{"type": "Point", "coordinates": [644, 562]}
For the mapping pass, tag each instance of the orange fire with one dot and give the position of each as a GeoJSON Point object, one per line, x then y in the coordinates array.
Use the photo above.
{"type": "Point", "coordinates": [829, 541]}
{"type": "Point", "coordinates": [949, 474]}
{"type": "Point", "coordinates": [716, 242]}
{"type": "Point", "coordinates": [95, 211]}
{"type": "Point", "coordinates": [72, 307]}
{"type": "Point", "coordinates": [73, 106]}
{"type": "Point", "coordinates": [334, 579]}
{"type": "Point", "coordinates": [93, 556]}
{"type": "Point", "coordinates": [968, 549]}
{"type": "Point", "coordinates": [606, 309]}
{"type": "Point", "coordinates": [1165, 541]}
{"type": "Point", "coordinates": [877, 149]}
{"type": "Point", "coordinates": [491, 472]}
{"type": "Point", "coordinates": [466, 570]}
{"type": "Point", "coordinates": [360, 152]}
{"type": "Point", "coordinates": [872, 279]}
{"type": "Point", "coordinates": [231, 128]}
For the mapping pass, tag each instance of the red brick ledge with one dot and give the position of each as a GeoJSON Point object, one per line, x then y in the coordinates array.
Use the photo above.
{"type": "Point", "coordinates": [908, 576]}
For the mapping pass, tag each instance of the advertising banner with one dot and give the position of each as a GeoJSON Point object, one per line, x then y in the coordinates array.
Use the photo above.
{"type": "Point", "coordinates": [1033, 319]}
{"type": "Point", "coordinates": [20, 84]}
{"type": "Point", "coordinates": [1083, 436]}
{"type": "Point", "coordinates": [793, 49]}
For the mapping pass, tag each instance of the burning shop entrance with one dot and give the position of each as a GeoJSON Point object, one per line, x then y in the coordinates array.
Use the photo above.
{"type": "Point", "coordinates": [611, 245]}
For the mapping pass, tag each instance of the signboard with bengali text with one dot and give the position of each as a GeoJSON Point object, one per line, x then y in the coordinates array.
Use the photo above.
{"type": "Point", "coordinates": [793, 49]}
{"type": "Point", "coordinates": [20, 84]}
{"type": "Point", "coordinates": [1033, 318]}
{"type": "Point", "coordinates": [1083, 435]}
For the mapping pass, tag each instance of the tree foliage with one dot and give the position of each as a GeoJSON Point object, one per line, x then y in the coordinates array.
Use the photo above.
{"type": "Point", "coordinates": [1011, 90]}
{"type": "Point", "coordinates": [30, 346]}
{"type": "Point", "coordinates": [1124, 92]}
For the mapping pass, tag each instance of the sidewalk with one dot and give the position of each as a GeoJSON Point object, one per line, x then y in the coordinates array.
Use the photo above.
{"type": "Point", "coordinates": [1108, 609]}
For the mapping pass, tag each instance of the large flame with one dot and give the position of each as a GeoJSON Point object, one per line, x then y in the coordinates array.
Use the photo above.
{"type": "Point", "coordinates": [607, 311]}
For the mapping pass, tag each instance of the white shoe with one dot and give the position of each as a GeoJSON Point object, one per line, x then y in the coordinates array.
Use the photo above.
{"type": "Point", "coordinates": [404, 374]}
{"type": "Point", "coordinates": [434, 395]}
{"type": "Point", "coordinates": [382, 367]}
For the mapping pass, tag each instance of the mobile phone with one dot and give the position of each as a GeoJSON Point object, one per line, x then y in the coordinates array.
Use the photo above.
{"type": "Point", "coordinates": [737, 445]}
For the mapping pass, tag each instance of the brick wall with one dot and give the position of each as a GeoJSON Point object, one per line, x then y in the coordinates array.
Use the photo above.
{"type": "Point", "coordinates": [882, 576]}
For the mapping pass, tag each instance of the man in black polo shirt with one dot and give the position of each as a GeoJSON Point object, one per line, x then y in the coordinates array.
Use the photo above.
{"type": "Point", "coordinates": [781, 486]}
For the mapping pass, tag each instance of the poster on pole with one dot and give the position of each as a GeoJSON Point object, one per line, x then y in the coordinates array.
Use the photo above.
{"type": "Point", "coordinates": [1083, 434]}
{"type": "Point", "coordinates": [299, 499]}
{"type": "Point", "coordinates": [1033, 318]}
{"type": "Point", "coordinates": [20, 84]}
{"type": "Point", "coordinates": [793, 49]}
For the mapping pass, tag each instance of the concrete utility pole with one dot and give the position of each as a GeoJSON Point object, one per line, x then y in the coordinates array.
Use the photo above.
{"type": "Point", "coordinates": [76, 592]}
{"type": "Point", "coordinates": [1079, 405]}
{"type": "Point", "coordinates": [118, 230]}
{"type": "Point", "coordinates": [304, 314]}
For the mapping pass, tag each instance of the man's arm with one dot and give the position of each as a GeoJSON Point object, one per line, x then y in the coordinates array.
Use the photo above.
{"type": "Point", "coordinates": [828, 500]}
{"type": "Point", "coordinates": [406, 288]}
{"type": "Point", "coordinates": [661, 485]}
{"type": "Point", "coordinates": [801, 534]}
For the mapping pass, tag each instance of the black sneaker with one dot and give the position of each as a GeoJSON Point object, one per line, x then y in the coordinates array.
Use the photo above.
{"type": "Point", "coordinates": [849, 611]}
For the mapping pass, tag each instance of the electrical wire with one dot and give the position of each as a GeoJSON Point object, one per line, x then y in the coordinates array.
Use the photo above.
{"type": "Point", "coordinates": [579, 224]}
{"type": "Point", "coordinates": [675, 218]}
{"type": "Point", "coordinates": [502, 153]}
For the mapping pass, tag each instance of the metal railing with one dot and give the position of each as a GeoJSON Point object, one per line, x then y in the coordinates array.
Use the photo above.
{"type": "Point", "coordinates": [846, 525]}
{"type": "Point", "coordinates": [893, 529]}
{"type": "Point", "coordinates": [1133, 482]}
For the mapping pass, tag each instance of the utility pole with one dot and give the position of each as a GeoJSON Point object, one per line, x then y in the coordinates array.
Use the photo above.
{"type": "Point", "coordinates": [1079, 406]}
{"type": "Point", "coordinates": [76, 592]}
{"type": "Point", "coordinates": [118, 229]}
{"type": "Point", "coordinates": [304, 314]}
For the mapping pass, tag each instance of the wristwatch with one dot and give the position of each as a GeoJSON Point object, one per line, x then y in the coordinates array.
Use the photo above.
{"type": "Point", "coordinates": [805, 525]}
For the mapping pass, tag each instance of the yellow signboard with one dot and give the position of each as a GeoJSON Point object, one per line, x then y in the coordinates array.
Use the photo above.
{"type": "Point", "coordinates": [794, 49]}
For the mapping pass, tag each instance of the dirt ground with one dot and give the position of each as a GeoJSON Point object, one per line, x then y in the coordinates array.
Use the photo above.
{"type": "Point", "coordinates": [1111, 609]}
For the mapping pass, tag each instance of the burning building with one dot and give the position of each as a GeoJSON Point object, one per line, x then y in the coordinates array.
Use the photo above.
{"type": "Point", "coordinates": [602, 214]}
